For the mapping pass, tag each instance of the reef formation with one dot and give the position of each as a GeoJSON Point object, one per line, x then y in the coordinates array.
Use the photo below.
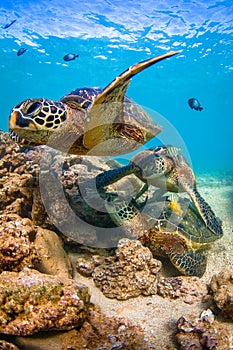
{"type": "Point", "coordinates": [45, 303]}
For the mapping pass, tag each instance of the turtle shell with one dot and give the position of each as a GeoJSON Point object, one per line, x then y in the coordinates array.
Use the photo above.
{"type": "Point", "coordinates": [182, 218]}
{"type": "Point", "coordinates": [81, 97]}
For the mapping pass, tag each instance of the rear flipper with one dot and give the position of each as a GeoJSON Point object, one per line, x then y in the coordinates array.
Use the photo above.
{"type": "Point", "coordinates": [189, 263]}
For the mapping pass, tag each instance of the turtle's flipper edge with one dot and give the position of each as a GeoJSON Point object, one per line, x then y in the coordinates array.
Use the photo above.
{"type": "Point", "coordinates": [189, 263]}
{"type": "Point", "coordinates": [109, 105]}
{"type": "Point", "coordinates": [204, 209]}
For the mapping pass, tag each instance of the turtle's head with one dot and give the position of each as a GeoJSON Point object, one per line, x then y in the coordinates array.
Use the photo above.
{"type": "Point", "coordinates": [120, 211]}
{"type": "Point", "coordinates": [36, 119]}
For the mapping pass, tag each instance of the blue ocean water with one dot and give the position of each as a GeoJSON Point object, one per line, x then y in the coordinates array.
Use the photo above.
{"type": "Point", "coordinates": [109, 36]}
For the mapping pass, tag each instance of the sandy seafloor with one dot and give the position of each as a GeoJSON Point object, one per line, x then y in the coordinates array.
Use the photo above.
{"type": "Point", "coordinates": [158, 316]}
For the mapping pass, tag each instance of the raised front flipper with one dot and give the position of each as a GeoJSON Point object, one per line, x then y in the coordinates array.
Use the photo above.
{"type": "Point", "coordinates": [204, 209]}
{"type": "Point", "coordinates": [189, 262]}
{"type": "Point", "coordinates": [108, 108]}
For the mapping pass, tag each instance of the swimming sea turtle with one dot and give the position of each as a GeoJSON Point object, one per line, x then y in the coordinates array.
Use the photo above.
{"type": "Point", "coordinates": [166, 168]}
{"type": "Point", "coordinates": [103, 121]}
{"type": "Point", "coordinates": [171, 229]}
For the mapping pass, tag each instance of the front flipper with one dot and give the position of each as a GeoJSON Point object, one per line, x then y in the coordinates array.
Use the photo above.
{"type": "Point", "coordinates": [189, 263]}
{"type": "Point", "coordinates": [204, 209]}
{"type": "Point", "coordinates": [109, 105]}
{"type": "Point", "coordinates": [110, 176]}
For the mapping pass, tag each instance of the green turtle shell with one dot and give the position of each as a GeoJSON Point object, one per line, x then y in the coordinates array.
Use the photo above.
{"type": "Point", "coordinates": [83, 98]}
{"type": "Point", "coordinates": [184, 221]}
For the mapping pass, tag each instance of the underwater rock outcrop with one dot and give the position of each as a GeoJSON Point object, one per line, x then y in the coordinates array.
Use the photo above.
{"type": "Point", "coordinates": [132, 272]}
{"type": "Point", "coordinates": [16, 183]}
{"type": "Point", "coordinates": [101, 332]}
{"type": "Point", "coordinates": [97, 332]}
{"type": "Point", "coordinates": [16, 249]}
{"type": "Point", "coordinates": [29, 238]}
{"type": "Point", "coordinates": [53, 258]}
{"type": "Point", "coordinates": [221, 291]}
{"type": "Point", "coordinates": [32, 302]}
{"type": "Point", "coordinates": [5, 345]}
{"type": "Point", "coordinates": [202, 333]}
{"type": "Point", "coordinates": [189, 289]}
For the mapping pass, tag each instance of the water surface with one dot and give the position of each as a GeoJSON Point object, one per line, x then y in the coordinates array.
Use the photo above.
{"type": "Point", "coordinates": [109, 36]}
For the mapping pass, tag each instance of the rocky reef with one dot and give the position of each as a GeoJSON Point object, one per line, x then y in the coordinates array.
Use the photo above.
{"type": "Point", "coordinates": [32, 302]}
{"type": "Point", "coordinates": [38, 293]}
{"type": "Point", "coordinates": [16, 248]}
{"type": "Point", "coordinates": [132, 272]}
{"type": "Point", "coordinates": [59, 249]}
{"type": "Point", "coordinates": [221, 291]}
{"type": "Point", "coordinates": [202, 332]}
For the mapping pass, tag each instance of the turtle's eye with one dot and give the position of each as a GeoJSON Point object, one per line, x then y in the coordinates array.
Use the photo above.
{"type": "Point", "coordinates": [33, 108]}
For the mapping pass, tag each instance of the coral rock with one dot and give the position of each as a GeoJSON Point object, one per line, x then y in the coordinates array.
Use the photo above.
{"type": "Point", "coordinates": [86, 263]}
{"type": "Point", "coordinates": [201, 333]}
{"type": "Point", "coordinates": [221, 290]}
{"type": "Point", "coordinates": [131, 273]}
{"type": "Point", "coordinates": [31, 302]}
{"type": "Point", "coordinates": [101, 332]}
{"type": "Point", "coordinates": [97, 332]}
{"type": "Point", "coordinates": [190, 289]}
{"type": "Point", "coordinates": [16, 249]}
{"type": "Point", "coordinates": [53, 258]}
{"type": "Point", "coordinates": [4, 345]}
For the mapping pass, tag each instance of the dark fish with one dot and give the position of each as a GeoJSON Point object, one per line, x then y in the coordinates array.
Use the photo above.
{"type": "Point", "coordinates": [195, 104]}
{"type": "Point", "coordinates": [21, 51]}
{"type": "Point", "coordinates": [8, 24]}
{"type": "Point", "coordinates": [70, 57]}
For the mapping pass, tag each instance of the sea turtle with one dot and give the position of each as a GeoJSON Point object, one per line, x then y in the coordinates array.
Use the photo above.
{"type": "Point", "coordinates": [90, 121]}
{"type": "Point", "coordinates": [166, 168]}
{"type": "Point", "coordinates": [173, 229]}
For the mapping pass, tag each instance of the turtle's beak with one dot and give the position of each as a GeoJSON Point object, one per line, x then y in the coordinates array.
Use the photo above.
{"type": "Point", "coordinates": [13, 119]}
{"type": "Point", "coordinates": [17, 120]}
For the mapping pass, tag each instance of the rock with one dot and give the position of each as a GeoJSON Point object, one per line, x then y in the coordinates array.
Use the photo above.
{"type": "Point", "coordinates": [101, 332]}
{"type": "Point", "coordinates": [190, 289]}
{"type": "Point", "coordinates": [221, 291]}
{"type": "Point", "coordinates": [10, 161]}
{"type": "Point", "coordinates": [58, 191]}
{"type": "Point", "coordinates": [16, 182]}
{"type": "Point", "coordinates": [31, 302]}
{"type": "Point", "coordinates": [132, 272]}
{"type": "Point", "coordinates": [38, 212]}
{"type": "Point", "coordinates": [85, 267]}
{"type": "Point", "coordinates": [16, 249]}
{"type": "Point", "coordinates": [97, 332]}
{"type": "Point", "coordinates": [201, 334]}
{"type": "Point", "coordinates": [5, 345]}
{"type": "Point", "coordinates": [86, 263]}
{"type": "Point", "coordinates": [53, 258]}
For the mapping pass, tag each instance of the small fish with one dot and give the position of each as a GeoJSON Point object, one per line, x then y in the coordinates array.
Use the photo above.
{"type": "Point", "coordinates": [21, 51]}
{"type": "Point", "coordinates": [8, 24]}
{"type": "Point", "coordinates": [195, 104]}
{"type": "Point", "coordinates": [70, 57]}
